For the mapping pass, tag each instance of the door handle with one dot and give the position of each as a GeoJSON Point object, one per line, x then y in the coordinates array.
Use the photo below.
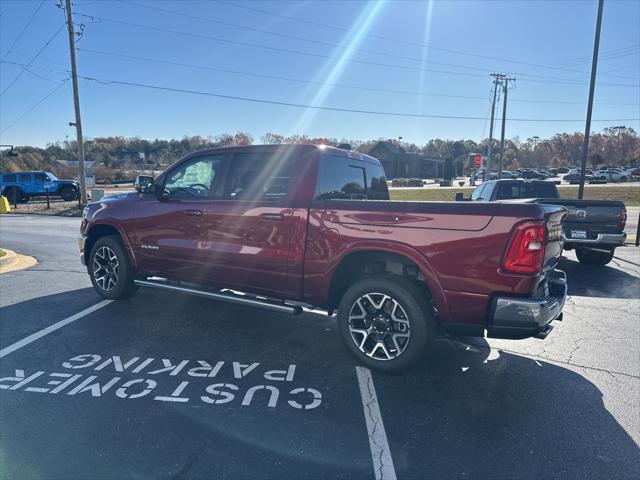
{"type": "Point", "coordinates": [274, 217]}
{"type": "Point", "coordinates": [193, 213]}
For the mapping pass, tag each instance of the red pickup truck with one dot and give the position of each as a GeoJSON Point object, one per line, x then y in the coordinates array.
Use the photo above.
{"type": "Point", "coordinates": [293, 226]}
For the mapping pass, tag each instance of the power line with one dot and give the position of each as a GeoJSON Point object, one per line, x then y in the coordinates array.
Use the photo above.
{"type": "Point", "coordinates": [33, 15]}
{"type": "Point", "coordinates": [311, 82]}
{"type": "Point", "coordinates": [35, 105]}
{"type": "Point", "coordinates": [331, 44]}
{"type": "Point", "coordinates": [391, 39]}
{"type": "Point", "coordinates": [32, 59]}
{"type": "Point", "coordinates": [544, 79]}
{"type": "Point", "coordinates": [335, 109]}
{"type": "Point", "coordinates": [629, 49]}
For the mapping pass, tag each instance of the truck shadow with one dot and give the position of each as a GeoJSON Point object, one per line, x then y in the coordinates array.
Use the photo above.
{"type": "Point", "coordinates": [472, 412]}
{"type": "Point", "coordinates": [596, 281]}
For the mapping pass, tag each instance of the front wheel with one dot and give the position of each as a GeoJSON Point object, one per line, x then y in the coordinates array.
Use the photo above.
{"type": "Point", "coordinates": [594, 257]}
{"type": "Point", "coordinates": [110, 270]}
{"type": "Point", "coordinates": [385, 322]}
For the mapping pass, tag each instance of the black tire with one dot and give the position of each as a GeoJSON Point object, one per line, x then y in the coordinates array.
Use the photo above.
{"type": "Point", "coordinates": [594, 257]}
{"type": "Point", "coordinates": [415, 309]}
{"type": "Point", "coordinates": [14, 195]}
{"type": "Point", "coordinates": [69, 194]}
{"type": "Point", "coordinates": [623, 179]}
{"type": "Point", "coordinates": [110, 270]}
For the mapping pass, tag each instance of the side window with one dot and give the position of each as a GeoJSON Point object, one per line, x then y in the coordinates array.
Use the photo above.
{"type": "Point", "coordinates": [9, 178]}
{"type": "Point", "coordinates": [507, 191]}
{"type": "Point", "coordinates": [340, 179]}
{"type": "Point", "coordinates": [194, 178]}
{"type": "Point", "coordinates": [41, 177]}
{"type": "Point", "coordinates": [259, 175]}
{"type": "Point", "coordinates": [487, 191]}
{"type": "Point", "coordinates": [477, 192]}
{"type": "Point", "coordinates": [25, 178]}
{"type": "Point", "coordinates": [376, 182]}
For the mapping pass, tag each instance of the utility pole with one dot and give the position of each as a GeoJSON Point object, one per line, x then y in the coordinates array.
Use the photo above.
{"type": "Point", "coordinates": [76, 102]}
{"type": "Point", "coordinates": [505, 87]}
{"type": "Point", "coordinates": [592, 86]}
{"type": "Point", "coordinates": [496, 79]}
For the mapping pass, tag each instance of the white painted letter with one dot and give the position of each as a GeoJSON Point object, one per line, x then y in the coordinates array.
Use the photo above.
{"type": "Point", "coordinates": [122, 391]}
{"type": "Point", "coordinates": [82, 358]}
{"type": "Point", "coordinates": [206, 369]}
{"type": "Point", "coordinates": [175, 396]}
{"type": "Point", "coordinates": [281, 375]}
{"type": "Point", "coordinates": [240, 371]}
{"type": "Point", "coordinates": [95, 388]}
{"type": "Point", "coordinates": [169, 367]}
{"type": "Point", "coordinates": [213, 390]}
{"type": "Point", "coordinates": [317, 398]}
{"type": "Point", "coordinates": [273, 399]}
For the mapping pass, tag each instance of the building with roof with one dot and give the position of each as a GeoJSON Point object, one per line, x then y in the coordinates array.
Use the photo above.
{"type": "Point", "coordinates": [398, 163]}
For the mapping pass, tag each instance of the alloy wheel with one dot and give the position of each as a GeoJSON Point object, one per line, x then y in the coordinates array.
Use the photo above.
{"type": "Point", "coordinates": [379, 326]}
{"type": "Point", "coordinates": [106, 269]}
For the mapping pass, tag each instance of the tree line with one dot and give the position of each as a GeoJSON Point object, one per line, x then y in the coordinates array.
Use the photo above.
{"type": "Point", "coordinates": [121, 158]}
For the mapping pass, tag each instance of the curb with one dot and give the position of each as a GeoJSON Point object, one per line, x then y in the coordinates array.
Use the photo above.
{"type": "Point", "coordinates": [13, 261]}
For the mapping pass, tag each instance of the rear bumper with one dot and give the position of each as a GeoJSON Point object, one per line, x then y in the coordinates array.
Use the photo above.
{"type": "Point", "coordinates": [517, 317]}
{"type": "Point", "coordinates": [602, 240]}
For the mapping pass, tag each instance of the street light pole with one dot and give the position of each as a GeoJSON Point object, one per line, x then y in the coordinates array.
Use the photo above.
{"type": "Point", "coordinates": [76, 103]}
{"type": "Point", "coordinates": [592, 87]}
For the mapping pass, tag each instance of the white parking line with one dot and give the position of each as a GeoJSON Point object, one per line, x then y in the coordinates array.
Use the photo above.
{"type": "Point", "coordinates": [380, 452]}
{"type": "Point", "coordinates": [52, 328]}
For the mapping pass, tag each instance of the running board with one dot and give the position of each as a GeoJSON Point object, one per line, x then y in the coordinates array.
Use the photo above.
{"type": "Point", "coordinates": [225, 297]}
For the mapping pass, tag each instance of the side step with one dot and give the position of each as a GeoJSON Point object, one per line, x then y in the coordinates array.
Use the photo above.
{"type": "Point", "coordinates": [225, 297]}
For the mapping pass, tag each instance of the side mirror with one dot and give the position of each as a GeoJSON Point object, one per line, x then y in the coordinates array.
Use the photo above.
{"type": "Point", "coordinates": [143, 184]}
{"type": "Point", "coordinates": [459, 197]}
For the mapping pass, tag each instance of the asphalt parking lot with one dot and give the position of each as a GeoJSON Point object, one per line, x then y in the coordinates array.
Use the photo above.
{"type": "Point", "coordinates": [168, 386]}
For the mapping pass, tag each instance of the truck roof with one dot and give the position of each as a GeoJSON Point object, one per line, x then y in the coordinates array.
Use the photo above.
{"type": "Point", "coordinates": [308, 147]}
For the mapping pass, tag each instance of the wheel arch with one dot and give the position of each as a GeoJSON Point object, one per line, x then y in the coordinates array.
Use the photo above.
{"type": "Point", "coordinates": [105, 229]}
{"type": "Point", "coordinates": [377, 259]}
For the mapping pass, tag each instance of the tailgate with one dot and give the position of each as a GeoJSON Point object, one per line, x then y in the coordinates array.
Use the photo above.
{"type": "Point", "coordinates": [590, 216]}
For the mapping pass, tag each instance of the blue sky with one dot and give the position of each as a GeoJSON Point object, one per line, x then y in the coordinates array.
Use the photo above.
{"type": "Point", "coordinates": [377, 47]}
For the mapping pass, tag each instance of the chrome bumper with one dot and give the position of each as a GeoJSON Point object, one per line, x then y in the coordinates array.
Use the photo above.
{"type": "Point", "coordinates": [602, 239]}
{"type": "Point", "coordinates": [514, 317]}
{"type": "Point", "coordinates": [81, 242]}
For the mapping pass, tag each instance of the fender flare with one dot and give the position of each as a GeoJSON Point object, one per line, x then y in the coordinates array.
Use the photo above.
{"type": "Point", "coordinates": [123, 235]}
{"type": "Point", "coordinates": [403, 250]}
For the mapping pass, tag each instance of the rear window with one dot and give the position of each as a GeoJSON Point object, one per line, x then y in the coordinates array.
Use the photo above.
{"type": "Point", "coordinates": [9, 178]}
{"type": "Point", "coordinates": [527, 190]}
{"type": "Point", "coordinates": [343, 178]}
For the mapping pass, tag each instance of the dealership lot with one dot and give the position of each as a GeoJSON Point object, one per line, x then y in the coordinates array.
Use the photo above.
{"type": "Point", "coordinates": [167, 386]}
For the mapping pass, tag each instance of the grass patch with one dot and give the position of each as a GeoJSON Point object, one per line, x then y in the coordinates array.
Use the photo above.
{"type": "Point", "coordinates": [2, 253]}
{"type": "Point", "coordinates": [629, 194]}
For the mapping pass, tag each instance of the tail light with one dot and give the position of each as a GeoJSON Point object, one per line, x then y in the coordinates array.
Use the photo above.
{"type": "Point", "coordinates": [525, 253]}
{"type": "Point", "coordinates": [623, 218]}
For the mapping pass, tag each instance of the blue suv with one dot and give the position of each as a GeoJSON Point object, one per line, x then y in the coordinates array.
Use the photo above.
{"type": "Point", "coordinates": [19, 187]}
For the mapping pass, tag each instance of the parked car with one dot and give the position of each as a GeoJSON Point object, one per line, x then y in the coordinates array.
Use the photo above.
{"type": "Point", "coordinates": [531, 174]}
{"type": "Point", "coordinates": [563, 170]}
{"type": "Point", "coordinates": [574, 178]}
{"type": "Point", "coordinates": [19, 187]}
{"type": "Point", "coordinates": [509, 175]}
{"type": "Point", "coordinates": [594, 228]}
{"type": "Point", "coordinates": [398, 273]}
{"type": "Point", "coordinates": [612, 175]}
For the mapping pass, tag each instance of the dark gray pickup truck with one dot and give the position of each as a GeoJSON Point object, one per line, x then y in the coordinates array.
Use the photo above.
{"type": "Point", "coordinates": [594, 228]}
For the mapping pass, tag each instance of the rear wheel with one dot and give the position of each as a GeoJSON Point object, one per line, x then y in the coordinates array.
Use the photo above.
{"type": "Point", "coordinates": [594, 257]}
{"type": "Point", "coordinates": [110, 270]}
{"type": "Point", "coordinates": [15, 195]}
{"type": "Point", "coordinates": [68, 194]}
{"type": "Point", "coordinates": [385, 322]}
